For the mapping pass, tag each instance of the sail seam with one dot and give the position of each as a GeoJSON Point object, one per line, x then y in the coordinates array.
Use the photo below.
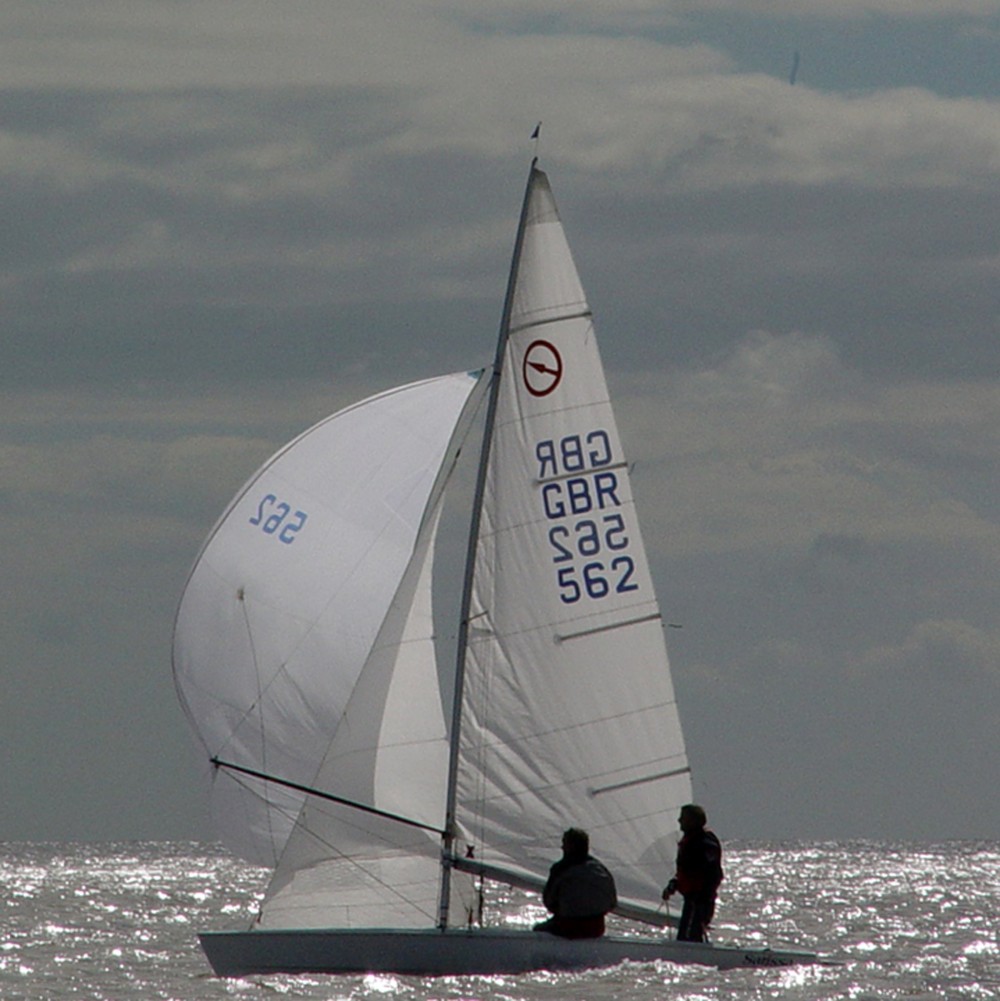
{"type": "Point", "coordinates": [572, 474]}
{"type": "Point", "coordinates": [525, 737]}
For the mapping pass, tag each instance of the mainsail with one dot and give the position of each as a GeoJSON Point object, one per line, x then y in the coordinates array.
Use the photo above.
{"type": "Point", "coordinates": [568, 714]}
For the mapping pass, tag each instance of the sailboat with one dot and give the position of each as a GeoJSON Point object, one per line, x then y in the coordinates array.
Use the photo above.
{"type": "Point", "coordinates": [392, 794]}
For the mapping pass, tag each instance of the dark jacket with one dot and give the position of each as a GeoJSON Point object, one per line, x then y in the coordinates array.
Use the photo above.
{"type": "Point", "coordinates": [579, 887]}
{"type": "Point", "coordinates": [699, 864]}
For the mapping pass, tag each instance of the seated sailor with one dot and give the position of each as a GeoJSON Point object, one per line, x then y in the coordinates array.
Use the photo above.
{"type": "Point", "coordinates": [579, 892]}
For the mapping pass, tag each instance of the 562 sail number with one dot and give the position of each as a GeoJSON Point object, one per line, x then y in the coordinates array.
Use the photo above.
{"type": "Point", "coordinates": [275, 517]}
{"type": "Point", "coordinates": [595, 578]}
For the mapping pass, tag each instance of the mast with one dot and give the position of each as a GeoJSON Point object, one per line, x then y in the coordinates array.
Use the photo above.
{"type": "Point", "coordinates": [470, 556]}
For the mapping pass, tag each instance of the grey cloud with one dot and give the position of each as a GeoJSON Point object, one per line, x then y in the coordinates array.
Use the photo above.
{"type": "Point", "coordinates": [950, 649]}
{"type": "Point", "coordinates": [219, 229]}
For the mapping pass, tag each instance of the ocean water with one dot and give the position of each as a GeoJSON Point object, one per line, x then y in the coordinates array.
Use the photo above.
{"type": "Point", "coordinates": [118, 922]}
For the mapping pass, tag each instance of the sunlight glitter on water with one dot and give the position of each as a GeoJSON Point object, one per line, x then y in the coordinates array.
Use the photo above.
{"type": "Point", "coordinates": [118, 922]}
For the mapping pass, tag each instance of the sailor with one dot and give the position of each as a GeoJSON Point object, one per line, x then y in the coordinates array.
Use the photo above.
{"type": "Point", "coordinates": [579, 892]}
{"type": "Point", "coordinates": [698, 875]}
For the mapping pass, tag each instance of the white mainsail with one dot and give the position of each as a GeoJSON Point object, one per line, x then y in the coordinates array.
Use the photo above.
{"type": "Point", "coordinates": [287, 597]}
{"type": "Point", "coordinates": [568, 713]}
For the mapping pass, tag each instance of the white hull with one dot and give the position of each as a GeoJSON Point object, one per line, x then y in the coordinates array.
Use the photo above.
{"type": "Point", "coordinates": [428, 952]}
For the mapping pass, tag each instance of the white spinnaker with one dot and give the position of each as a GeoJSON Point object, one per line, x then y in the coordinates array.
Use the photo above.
{"type": "Point", "coordinates": [344, 867]}
{"type": "Point", "coordinates": [569, 715]}
{"type": "Point", "coordinates": [289, 592]}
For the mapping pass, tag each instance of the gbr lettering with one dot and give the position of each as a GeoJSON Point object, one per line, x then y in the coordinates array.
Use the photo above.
{"type": "Point", "coordinates": [581, 499]}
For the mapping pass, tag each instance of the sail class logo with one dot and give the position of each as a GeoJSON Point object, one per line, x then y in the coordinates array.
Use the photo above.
{"type": "Point", "coordinates": [542, 368]}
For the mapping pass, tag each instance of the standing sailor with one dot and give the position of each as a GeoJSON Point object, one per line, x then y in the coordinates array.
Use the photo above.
{"type": "Point", "coordinates": [698, 875]}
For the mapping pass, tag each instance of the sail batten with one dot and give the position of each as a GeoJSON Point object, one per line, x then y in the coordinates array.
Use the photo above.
{"type": "Point", "coordinates": [621, 624]}
{"type": "Point", "coordinates": [658, 777]}
{"type": "Point", "coordinates": [529, 324]}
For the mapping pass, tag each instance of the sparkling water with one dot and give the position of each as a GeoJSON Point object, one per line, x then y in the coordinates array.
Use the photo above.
{"type": "Point", "coordinates": [118, 922]}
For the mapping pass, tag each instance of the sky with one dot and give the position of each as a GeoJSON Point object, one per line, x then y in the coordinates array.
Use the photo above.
{"type": "Point", "coordinates": [223, 220]}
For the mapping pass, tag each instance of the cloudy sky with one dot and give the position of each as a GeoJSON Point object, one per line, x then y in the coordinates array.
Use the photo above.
{"type": "Point", "coordinates": [224, 219]}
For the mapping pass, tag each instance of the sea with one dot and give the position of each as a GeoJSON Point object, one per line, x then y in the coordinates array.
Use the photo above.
{"type": "Point", "coordinates": [118, 921]}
